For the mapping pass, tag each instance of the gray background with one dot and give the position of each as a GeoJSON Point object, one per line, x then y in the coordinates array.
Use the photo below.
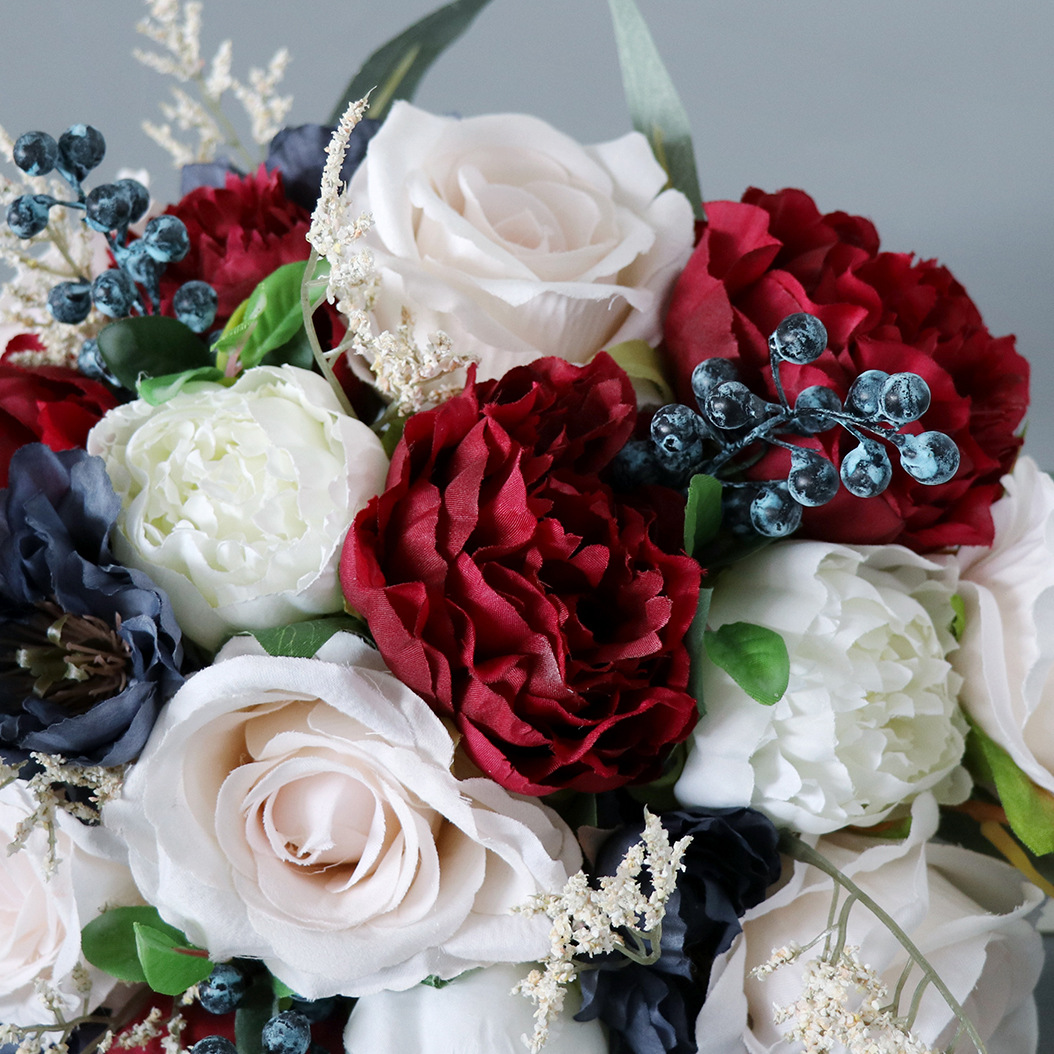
{"type": "Point", "coordinates": [932, 117]}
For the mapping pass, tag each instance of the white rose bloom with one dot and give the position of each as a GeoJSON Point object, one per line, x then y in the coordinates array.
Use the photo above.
{"type": "Point", "coordinates": [236, 501]}
{"type": "Point", "coordinates": [1007, 653]}
{"type": "Point", "coordinates": [516, 240]}
{"type": "Point", "coordinates": [474, 1014]}
{"type": "Point", "coordinates": [303, 812]}
{"type": "Point", "coordinates": [870, 718]}
{"type": "Point", "coordinates": [41, 918]}
{"type": "Point", "coordinates": [968, 914]}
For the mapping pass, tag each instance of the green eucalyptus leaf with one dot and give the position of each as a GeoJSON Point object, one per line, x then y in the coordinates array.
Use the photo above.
{"type": "Point", "coordinates": [702, 514]}
{"type": "Point", "coordinates": [1029, 808]}
{"type": "Point", "coordinates": [695, 641]}
{"type": "Point", "coordinates": [643, 366]}
{"type": "Point", "coordinates": [108, 941]}
{"type": "Point", "coordinates": [755, 657]}
{"type": "Point", "coordinates": [395, 69]}
{"type": "Point", "coordinates": [654, 105]}
{"type": "Point", "coordinates": [300, 640]}
{"type": "Point", "coordinates": [150, 346]}
{"type": "Point", "coordinates": [158, 390]}
{"type": "Point", "coordinates": [170, 964]}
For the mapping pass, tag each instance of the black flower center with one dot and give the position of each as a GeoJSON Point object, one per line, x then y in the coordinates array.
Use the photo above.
{"type": "Point", "coordinates": [72, 660]}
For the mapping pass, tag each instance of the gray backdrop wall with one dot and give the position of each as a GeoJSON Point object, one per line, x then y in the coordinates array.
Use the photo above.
{"type": "Point", "coordinates": [932, 117]}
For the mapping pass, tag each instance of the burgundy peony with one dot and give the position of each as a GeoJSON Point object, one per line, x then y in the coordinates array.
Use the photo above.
{"type": "Point", "coordinates": [238, 235]}
{"type": "Point", "coordinates": [774, 254]}
{"type": "Point", "coordinates": [511, 588]}
{"type": "Point", "coordinates": [47, 404]}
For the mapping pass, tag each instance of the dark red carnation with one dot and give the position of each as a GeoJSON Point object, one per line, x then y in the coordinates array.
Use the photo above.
{"type": "Point", "coordinates": [239, 234]}
{"type": "Point", "coordinates": [47, 404]}
{"type": "Point", "coordinates": [511, 589]}
{"type": "Point", "coordinates": [771, 255]}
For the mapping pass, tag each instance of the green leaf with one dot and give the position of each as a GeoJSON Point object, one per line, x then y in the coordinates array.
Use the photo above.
{"type": "Point", "coordinates": [755, 657]}
{"type": "Point", "coordinates": [158, 390]}
{"type": "Point", "coordinates": [257, 1007]}
{"type": "Point", "coordinates": [643, 365]}
{"type": "Point", "coordinates": [281, 989]}
{"type": "Point", "coordinates": [170, 964]}
{"type": "Point", "coordinates": [395, 69]}
{"type": "Point", "coordinates": [300, 640]}
{"type": "Point", "coordinates": [694, 640]}
{"type": "Point", "coordinates": [1029, 809]}
{"type": "Point", "coordinates": [150, 346]}
{"type": "Point", "coordinates": [958, 616]}
{"type": "Point", "coordinates": [108, 941]}
{"type": "Point", "coordinates": [702, 514]}
{"type": "Point", "coordinates": [433, 980]}
{"type": "Point", "coordinates": [654, 105]}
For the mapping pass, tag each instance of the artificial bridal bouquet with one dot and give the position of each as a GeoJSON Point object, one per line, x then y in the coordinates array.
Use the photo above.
{"type": "Point", "coordinates": [459, 591]}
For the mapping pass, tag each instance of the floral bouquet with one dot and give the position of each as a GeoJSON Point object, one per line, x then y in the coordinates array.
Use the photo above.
{"type": "Point", "coordinates": [461, 592]}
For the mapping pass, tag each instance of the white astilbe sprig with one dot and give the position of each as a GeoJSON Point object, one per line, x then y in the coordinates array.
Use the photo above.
{"type": "Point", "coordinates": [405, 371]}
{"type": "Point", "coordinates": [621, 914]}
{"type": "Point", "coordinates": [176, 29]}
{"type": "Point", "coordinates": [48, 790]}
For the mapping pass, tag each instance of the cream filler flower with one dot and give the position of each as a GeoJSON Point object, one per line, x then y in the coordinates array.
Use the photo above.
{"type": "Point", "coordinates": [304, 812]}
{"type": "Point", "coordinates": [236, 500]}
{"type": "Point", "coordinates": [871, 716]}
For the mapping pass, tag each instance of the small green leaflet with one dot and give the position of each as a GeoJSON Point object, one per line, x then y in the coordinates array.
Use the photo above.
{"type": "Point", "coordinates": [395, 69]}
{"type": "Point", "coordinates": [702, 514]}
{"type": "Point", "coordinates": [158, 390]}
{"type": "Point", "coordinates": [1029, 809]}
{"type": "Point", "coordinates": [643, 364]}
{"type": "Point", "coordinates": [654, 105]}
{"type": "Point", "coordinates": [171, 965]}
{"type": "Point", "coordinates": [755, 657]}
{"type": "Point", "coordinates": [958, 616]}
{"type": "Point", "coordinates": [300, 640]}
{"type": "Point", "coordinates": [150, 346]}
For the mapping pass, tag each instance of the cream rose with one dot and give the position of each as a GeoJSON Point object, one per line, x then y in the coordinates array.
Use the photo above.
{"type": "Point", "coordinates": [41, 918]}
{"type": "Point", "coordinates": [1007, 653]}
{"type": "Point", "coordinates": [303, 812]}
{"type": "Point", "coordinates": [236, 500]}
{"type": "Point", "coordinates": [475, 1014]}
{"type": "Point", "coordinates": [514, 239]}
{"type": "Point", "coordinates": [967, 913]}
{"type": "Point", "coordinates": [870, 718]}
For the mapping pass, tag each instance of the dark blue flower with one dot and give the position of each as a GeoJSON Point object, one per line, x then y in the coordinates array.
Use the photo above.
{"type": "Point", "coordinates": [731, 862]}
{"type": "Point", "coordinates": [89, 650]}
{"type": "Point", "coordinates": [300, 155]}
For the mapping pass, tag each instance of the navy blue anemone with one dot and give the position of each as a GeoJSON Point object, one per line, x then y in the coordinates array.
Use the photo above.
{"type": "Point", "coordinates": [89, 650]}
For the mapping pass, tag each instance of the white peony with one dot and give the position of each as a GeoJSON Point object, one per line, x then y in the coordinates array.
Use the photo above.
{"type": "Point", "coordinates": [516, 240]}
{"type": "Point", "coordinates": [41, 918]}
{"type": "Point", "coordinates": [303, 812]}
{"type": "Point", "coordinates": [236, 500]}
{"type": "Point", "coordinates": [967, 913]}
{"type": "Point", "coordinates": [870, 718]}
{"type": "Point", "coordinates": [1007, 653]}
{"type": "Point", "coordinates": [475, 1014]}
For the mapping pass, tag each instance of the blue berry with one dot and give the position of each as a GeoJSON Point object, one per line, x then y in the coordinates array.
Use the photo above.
{"type": "Point", "coordinates": [635, 464]}
{"type": "Point", "coordinates": [195, 305]}
{"type": "Point", "coordinates": [931, 457]}
{"type": "Point", "coordinates": [214, 1045]}
{"type": "Point", "coordinates": [81, 148]}
{"type": "Point", "coordinates": [28, 215]}
{"type": "Point", "coordinates": [166, 239]}
{"type": "Point", "coordinates": [90, 362]}
{"type": "Point", "coordinates": [905, 397]}
{"type": "Point", "coordinates": [731, 404]}
{"type": "Point", "coordinates": [866, 470]}
{"type": "Point", "coordinates": [35, 153]}
{"type": "Point", "coordinates": [799, 338]}
{"type": "Point", "coordinates": [113, 293]}
{"type": "Point", "coordinates": [143, 268]}
{"type": "Point", "coordinates": [315, 1009]}
{"type": "Point", "coordinates": [774, 513]}
{"type": "Point", "coordinates": [223, 989]}
{"type": "Point", "coordinates": [286, 1033]}
{"type": "Point", "coordinates": [677, 432]}
{"type": "Point", "coordinates": [710, 373]}
{"type": "Point", "coordinates": [811, 409]}
{"type": "Point", "coordinates": [813, 480]}
{"type": "Point", "coordinates": [70, 302]}
{"type": "Point", "coordinates": [137, 196]}
{"type": "Point", "coordinates": [865, 393]}
{"type": "Point", "coordinates": [107, 209]}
